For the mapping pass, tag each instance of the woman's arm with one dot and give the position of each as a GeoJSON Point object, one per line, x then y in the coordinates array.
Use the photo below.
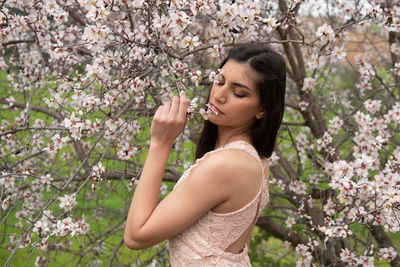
{"type": "Point", "coordinates": [145, 198]}
{"type": "Point", "coordinates": [168, 122]}
{"type": "Point", "coordinates": [209, 184]}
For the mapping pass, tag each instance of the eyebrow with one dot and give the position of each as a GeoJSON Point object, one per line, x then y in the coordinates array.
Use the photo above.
{"type": "Point", "coordinates": [238, 84]}
{"type": "Point", "coordinates": [241, 85]}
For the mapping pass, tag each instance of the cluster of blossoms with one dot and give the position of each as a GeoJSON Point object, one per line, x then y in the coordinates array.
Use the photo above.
{"type": "Point", "coordinates": [54, 101]}
{"type": "Point", "coordinates": [67, 202]}
{"type": "Point", "coordinates": [387, 253]}
{"type": "Point", "coordinates": [335, 230]}
{"type": "Point", "coordinates": [298, 187]}
{"type": "Point", "coordinates": [366, 260]}
{"type": "Point", "coordinates": [303, 105]}
{"type": "Point", "coordinates": [324, 141]}
{"type": "Point", "coordinates": [76, 126]}
{"type": "Point", "coordinates": [393, 114]}
{"type": "Point", "coordinates": [192, 105]}
{"type": "Point", "coordinates": [308, 84]}
{"type": "Point", "coordinates": [305, 255]}
{"type": "Point", "coordinates": [352, 180]}
{"type": "Point", "coordinates": [97, 170]}
{"type": "Point", "coordinates": [45, 228]}
{"type": "Point", "coordinates": [215, 77]}
{"type": "Point", "coordinates": [372, 106]}
{"type": "Point", "coordinates": [127, 151]}
{"type": "Point", "coordinates": [351, 259]}
{"type": "Point", "coordinates": [367, 73]}
{"type": "Point", "coordinates": [210, 111]}
{"type": "Point", "coordinates": [57, 144]}
{"type": "Point", "coordinates": [335, 124]}
{"type": "Point", "coordinates": [69, 226]}
{"type": "Point", "coordinates": [326, 33]}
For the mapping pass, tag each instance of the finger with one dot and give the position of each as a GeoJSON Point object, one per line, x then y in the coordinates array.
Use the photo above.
{"type": "Point", "coordinates": [166, 108]}
{"type": "Point", "coordinates": [174, 106]}
{"type": "Point", "coordinates": [183, 102]}
{"type": "Point", "coordinates": [159, 111]}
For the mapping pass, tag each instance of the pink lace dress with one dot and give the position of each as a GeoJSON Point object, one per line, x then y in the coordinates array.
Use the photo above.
{"type": "Point", "coordinates": [204, 242]}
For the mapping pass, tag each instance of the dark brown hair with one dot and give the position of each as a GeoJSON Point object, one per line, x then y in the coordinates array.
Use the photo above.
{"type": "Point", "coordinates": [271, 88]}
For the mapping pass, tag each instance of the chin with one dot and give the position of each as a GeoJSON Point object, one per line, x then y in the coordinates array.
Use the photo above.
{"type": "Point", "coordinates": [214, 119]}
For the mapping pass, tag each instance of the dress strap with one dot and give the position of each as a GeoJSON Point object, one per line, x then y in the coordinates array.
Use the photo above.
{"type": "Point", "coordinates": [259, 200]}
{"type": "Point", "coordinates": [243, 145]}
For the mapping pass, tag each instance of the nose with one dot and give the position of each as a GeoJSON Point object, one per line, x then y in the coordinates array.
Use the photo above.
{"type": "Point", "coordinates": [219, 93]}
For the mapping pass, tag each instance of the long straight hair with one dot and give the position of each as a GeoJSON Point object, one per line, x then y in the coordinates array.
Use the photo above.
{"type": "Point", "coordinates": [271, 88]}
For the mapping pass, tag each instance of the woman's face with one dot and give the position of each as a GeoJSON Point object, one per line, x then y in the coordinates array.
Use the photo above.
{"type": "Point", "coordinates": [235, 97]}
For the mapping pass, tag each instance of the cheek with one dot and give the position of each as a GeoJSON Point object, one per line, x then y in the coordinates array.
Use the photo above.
{"type": "Point", "coordinates": [249, 111]}
{"type": "Point", "coordinates": [249, 107]}
{"type": "Point", "coordinates": [243, 112]}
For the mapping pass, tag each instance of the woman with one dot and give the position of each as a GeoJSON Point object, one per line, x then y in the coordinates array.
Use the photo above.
{"type": "Point", "coordinates": [209, 216]}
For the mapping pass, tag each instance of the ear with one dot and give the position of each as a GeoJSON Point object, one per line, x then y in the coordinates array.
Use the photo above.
{"type": "Point", "coordinates": [260, 114]}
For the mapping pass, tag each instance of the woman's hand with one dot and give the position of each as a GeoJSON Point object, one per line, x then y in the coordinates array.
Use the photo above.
{"type": "Point", "coordinates": [169, 121]}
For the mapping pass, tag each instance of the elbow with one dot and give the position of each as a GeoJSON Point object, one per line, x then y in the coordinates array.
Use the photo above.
{"type": "Point", "coordinates": [130, 240]}
{"type": "Point", "coordinates": [134, 244]}
{"type": "Point", "coordinates": [131, 243]}
{"type": "Point", "coordinates": [136, 240]}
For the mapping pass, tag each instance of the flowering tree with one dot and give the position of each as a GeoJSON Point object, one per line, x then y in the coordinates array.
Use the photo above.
{"type": "Point", "coordinates": [82, 79]}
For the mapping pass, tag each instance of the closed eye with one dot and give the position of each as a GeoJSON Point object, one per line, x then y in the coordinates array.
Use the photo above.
{"type": "Point", "coordinates": [238, 95]}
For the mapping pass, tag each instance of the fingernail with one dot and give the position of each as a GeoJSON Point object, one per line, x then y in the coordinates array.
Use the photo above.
{"type": "Point", "coordinates": [182, 92]}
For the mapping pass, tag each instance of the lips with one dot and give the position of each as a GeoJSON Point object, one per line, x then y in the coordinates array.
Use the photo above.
{"type": "Point", "coordinates": [215, 109]}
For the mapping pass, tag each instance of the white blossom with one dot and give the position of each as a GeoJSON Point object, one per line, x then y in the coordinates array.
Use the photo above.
{"type": "Point", "coordinates": [41, 227]}
{"type": "Point", "coordinates": [372, 106]}
{"type": "Point", "coordinates": [387, 253]}
{"type": "Point", "coordinates": [308, 84]}
{"type": "Point", "coordinates": [325, 32]}
{"type": "Point", "coordinates": [67, 202]}
{"type": "Point", "coordinates": [290, 221]}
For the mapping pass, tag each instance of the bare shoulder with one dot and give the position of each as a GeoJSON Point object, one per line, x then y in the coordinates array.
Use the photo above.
{"type": "Point", "coordinates": [235, 174]}
{"type": "Point", "coordinates": [223, 174]}
{"type": "Point", "coordinates": [230, 163]}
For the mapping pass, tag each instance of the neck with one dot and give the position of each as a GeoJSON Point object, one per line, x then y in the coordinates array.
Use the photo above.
{"type": "Point", "coordinates": [226, 136]}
